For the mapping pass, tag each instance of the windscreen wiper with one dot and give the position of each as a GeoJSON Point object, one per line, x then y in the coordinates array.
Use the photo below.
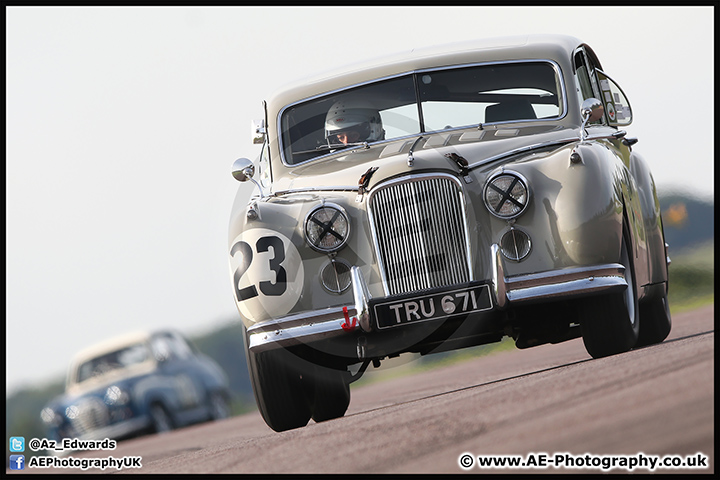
{"type": "Point", "coordinates": [332, 146]}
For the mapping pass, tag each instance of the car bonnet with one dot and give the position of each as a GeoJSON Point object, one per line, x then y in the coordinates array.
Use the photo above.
{"type": "Point", "coordinates": [436, 151]}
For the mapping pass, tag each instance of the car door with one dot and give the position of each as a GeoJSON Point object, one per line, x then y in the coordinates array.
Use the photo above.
{"type": "Point", "coordinates": [178, 367]}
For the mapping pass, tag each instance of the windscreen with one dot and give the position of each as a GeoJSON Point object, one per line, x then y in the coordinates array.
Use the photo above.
{"type": "Point", "coordinates": [418, 102]}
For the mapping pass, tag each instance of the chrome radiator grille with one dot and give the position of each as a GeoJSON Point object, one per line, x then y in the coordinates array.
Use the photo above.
{"type": "Point", "coordinates": [420, 233]}
{"type": "Point", "coordinates": [90, 414]}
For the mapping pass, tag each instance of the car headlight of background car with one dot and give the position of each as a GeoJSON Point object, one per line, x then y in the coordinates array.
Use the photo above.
{"type": "Point", "coordinates": [506, 194]}
{"type": "Point", "coordinates": [50, 418]}
{"type": "Point", "coordinates": [327, 228]}
{"type": "Point", "coordinates": [116, 396]}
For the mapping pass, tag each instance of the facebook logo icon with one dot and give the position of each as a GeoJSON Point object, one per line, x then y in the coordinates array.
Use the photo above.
{"type": "Point", "coordinates": [17, 462]}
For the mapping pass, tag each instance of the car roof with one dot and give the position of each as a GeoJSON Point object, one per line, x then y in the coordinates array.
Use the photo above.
{"type": "Point", "coordinates": [523, 47]}
{"type": "Point", "coordinates": [111, 344]}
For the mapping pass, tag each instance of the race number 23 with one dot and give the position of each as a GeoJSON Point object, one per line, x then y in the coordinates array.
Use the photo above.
{"type": "Point", "coordinates": [270, 244]}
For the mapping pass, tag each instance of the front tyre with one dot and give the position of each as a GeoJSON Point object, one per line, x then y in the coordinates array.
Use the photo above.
{"type": "Point", "coordinates": [161, 421]}
{"type": "Point", "coordinates": [279, 389]}
{"type": "Point", "coordinates": [610, 323]}
{"type": "Point", "coordinates": [331, 393]}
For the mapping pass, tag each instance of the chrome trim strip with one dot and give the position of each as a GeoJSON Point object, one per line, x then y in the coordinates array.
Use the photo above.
{"type": "Point", "coordinates": [613, 136]}
{"type": "Point", "coordinates": [322, 324]}
{"type": "Point", "coordinates": [315, 189]}
{"type": "Point", "coordinates": [570, 282]}
{"type": "Point", "coordinates": [567, 289]}
{"type": "Point", "coordinates": [498, 276]}
{"type": "Point", "coordinates": [555, 276]}
{"type": "Point", "coordinates": [521, 150]}
{"type": "Point", "coordinates": [314, 325]}
{"type": "Point", "coordinates": [362, 298]}
{"type": "Point", "coordinates": [294, 329]}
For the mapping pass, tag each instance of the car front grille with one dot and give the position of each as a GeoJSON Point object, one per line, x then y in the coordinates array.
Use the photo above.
{"type": "Point", "coordinates": [420, 234]}
{"type": "Point", "coordinates": [88, 415]}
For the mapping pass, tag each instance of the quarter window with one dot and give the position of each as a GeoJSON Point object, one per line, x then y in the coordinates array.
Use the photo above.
{"type": "Point", "coordinates": [617, 106]}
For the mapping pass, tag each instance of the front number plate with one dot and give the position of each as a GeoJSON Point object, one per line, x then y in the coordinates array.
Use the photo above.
{"type": "Point", "coordinates": [432, 306]}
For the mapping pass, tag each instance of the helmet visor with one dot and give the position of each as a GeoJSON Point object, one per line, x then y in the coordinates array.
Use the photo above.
{"type": "Point", "coordinates": [353, 134]}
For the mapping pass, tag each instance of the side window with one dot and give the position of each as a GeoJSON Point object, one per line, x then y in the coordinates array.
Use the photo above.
{"type": "Point", "coordinates": [180, 349]}
{"type": "Point", "coordinates": [161, 348]}
{"type": "Point", "coordinates": [170, 347]}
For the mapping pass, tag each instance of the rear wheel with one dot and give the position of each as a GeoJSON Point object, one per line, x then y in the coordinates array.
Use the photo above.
{"type": "Point", "coordinates": [655, 321]}
{"type": "Point", "coordinates": [218, 406]}
{"type": "Point", "coordinates": [610, 323]}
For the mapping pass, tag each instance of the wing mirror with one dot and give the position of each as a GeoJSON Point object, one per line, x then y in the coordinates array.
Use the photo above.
{"type": "Point", "coordinates": [244, 170]}
{"type": "Point", "coordinates": [591, 110]}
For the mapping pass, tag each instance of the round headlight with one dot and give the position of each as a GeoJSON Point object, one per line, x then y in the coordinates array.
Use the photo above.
{"type": "Point", "coordinates": [72, 412]}
{"type": "Point", "coordinates": [506, 195]}
{"type": "Point", "coordinates": [327, 228]}
{"type": "Point", "coordinates": [114, 395]}
{"type": "Point", "coordinates": [49, 417]}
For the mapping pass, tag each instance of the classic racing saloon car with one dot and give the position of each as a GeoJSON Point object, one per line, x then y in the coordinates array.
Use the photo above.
{"type": "Point", "coordinates": [441, 200]}
{"type": "Point", "coordinates": [138, 383]}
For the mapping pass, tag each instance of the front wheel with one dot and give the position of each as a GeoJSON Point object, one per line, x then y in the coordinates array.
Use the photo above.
{"type": "Point", "coordinates": [279, 389]}
{"type": "Point", "coordinates": [218, 406]}
{"type": "Point", "coordinates": [610, 323]}
{"type": "Point", "coordinates": [331, 393]}
{"type": "Point", "coordinates": [161, 421]}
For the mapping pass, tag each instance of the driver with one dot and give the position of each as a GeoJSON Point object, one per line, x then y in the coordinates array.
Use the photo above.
{"type": "Point", "coordinates": [349, 122]}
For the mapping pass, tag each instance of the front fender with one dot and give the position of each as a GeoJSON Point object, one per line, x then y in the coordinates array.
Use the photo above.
{"type": "Point", "coordinates": [273, 269]}
{"type": "Point", "coordinates": [575, 213]}
{"type": "Point", "coordinates": [589, 207]}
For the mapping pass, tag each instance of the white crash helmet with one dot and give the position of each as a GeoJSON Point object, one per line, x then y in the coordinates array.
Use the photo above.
{"type": "Point", "coordinates": [346, 116]}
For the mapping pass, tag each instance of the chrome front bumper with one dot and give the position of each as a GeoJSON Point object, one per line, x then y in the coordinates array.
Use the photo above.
{"type": "Point", "coordinates": [308, 327]}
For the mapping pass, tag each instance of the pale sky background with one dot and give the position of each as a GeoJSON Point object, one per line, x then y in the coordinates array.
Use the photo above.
{"type": "Point", "coordinates": [123, 123]}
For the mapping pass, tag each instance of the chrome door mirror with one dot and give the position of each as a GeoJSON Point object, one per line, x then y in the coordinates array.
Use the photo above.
{"type": "Point", "coordinates": [243, 169]}
{"type": "Point", "coordinates": [591, 110]}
